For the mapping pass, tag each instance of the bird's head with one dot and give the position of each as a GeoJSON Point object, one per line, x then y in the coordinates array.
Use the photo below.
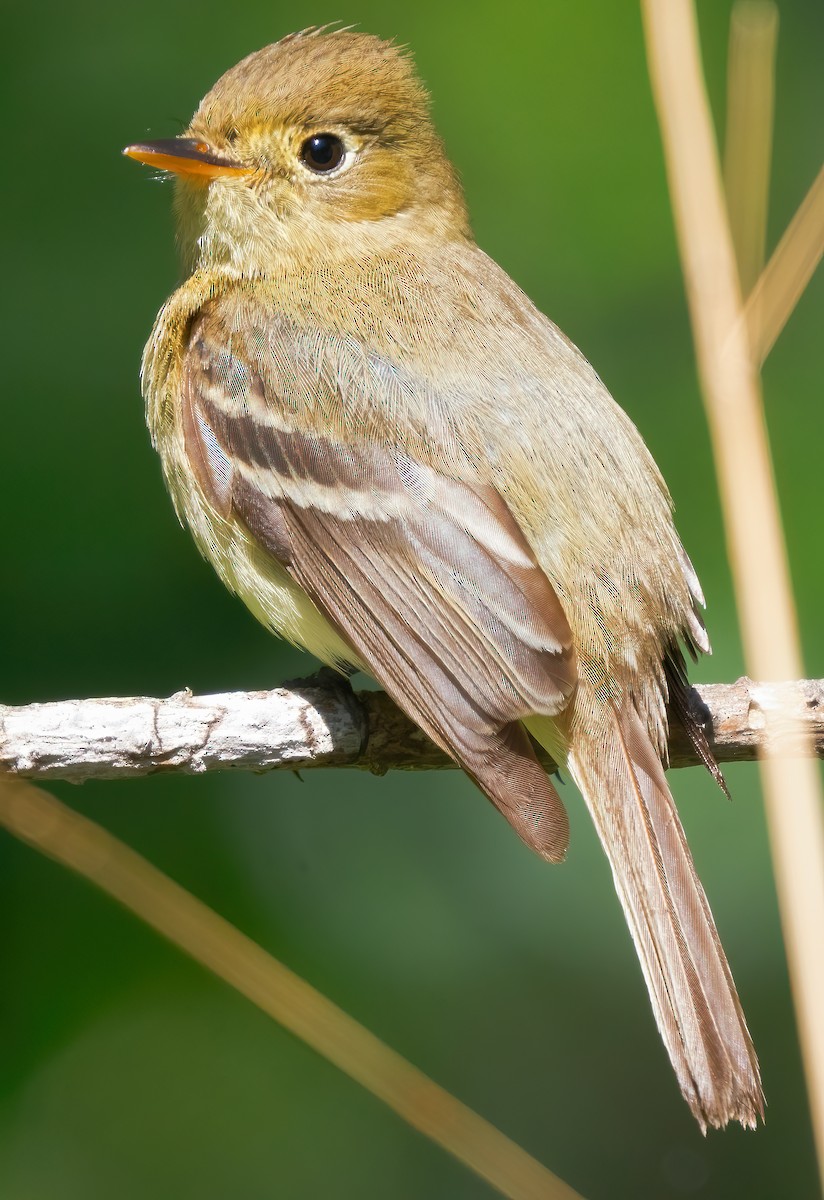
{"type": "Point", "coordinates": [321, 144]}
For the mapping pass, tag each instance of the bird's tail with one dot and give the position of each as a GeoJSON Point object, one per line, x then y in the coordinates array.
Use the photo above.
{"type": "Point", "coordinates": [696, 1006]}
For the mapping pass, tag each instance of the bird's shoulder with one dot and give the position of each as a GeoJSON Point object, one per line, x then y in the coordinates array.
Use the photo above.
{"type": "Point", "coordinates": [429, 333]}
{"type": "Point", "coordinates": [433, 307]}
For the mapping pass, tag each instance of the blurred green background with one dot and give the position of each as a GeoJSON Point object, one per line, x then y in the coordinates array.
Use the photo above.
{"type": "Point", "coordinates": [126, 1070]}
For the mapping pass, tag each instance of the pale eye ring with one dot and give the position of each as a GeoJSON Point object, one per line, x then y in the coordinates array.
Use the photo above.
{"type": "Point", "coordinates": [322, 153]}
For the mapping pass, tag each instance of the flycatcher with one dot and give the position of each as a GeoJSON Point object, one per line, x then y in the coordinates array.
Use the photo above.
{"type": "Point", "coordinates": [399, 464]}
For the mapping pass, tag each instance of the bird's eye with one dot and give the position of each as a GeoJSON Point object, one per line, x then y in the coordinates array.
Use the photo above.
{"type": "Point", "coordinates": [322, 153]}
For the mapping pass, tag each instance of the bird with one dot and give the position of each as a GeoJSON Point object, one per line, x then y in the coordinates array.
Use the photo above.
{"type": "Point", "coordinates": [400, 465]}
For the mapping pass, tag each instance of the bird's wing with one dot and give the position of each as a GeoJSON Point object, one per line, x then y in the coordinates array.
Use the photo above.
{"type": "Point", "coordinates": [428, 578]}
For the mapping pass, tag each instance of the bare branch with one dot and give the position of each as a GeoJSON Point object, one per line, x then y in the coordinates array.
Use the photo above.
{"type": "Point", "coordinates": [326, 724]}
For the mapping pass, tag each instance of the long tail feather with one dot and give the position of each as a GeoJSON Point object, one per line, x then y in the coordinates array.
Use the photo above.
{"type": "Point", "coordinates": [693, 995]}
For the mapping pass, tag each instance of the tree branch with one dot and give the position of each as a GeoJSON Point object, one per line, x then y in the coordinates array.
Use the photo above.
{"type": "Point", "coordinates": [322, 723]}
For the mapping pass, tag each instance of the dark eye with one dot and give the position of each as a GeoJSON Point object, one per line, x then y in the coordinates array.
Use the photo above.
{"type": "Point", "coordinates": [322, 152]}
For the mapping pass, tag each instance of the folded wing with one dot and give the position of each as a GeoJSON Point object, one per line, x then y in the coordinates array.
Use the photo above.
{"type": "Point", "coordinates": [427, 577]}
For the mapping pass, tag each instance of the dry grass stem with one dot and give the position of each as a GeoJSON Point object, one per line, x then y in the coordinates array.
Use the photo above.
{"type": "Point", "coordinates": [748, 142]}
{"type": "Point", "coordinates": [790, 269]}
{"type": "Point", "coordinates": [76, 842]}
{"type": "Point", "coordinates": [731, 389]}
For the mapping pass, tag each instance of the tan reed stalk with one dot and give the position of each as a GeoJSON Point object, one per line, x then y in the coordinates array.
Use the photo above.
{"type": "Point", "coordinates": [748, 141]}
{"type": "Point", "coordinates": [788, 272]}
{"type": "Point", "coordinates": [76, 842]}
{"type": "Point", "coordinates": [730, 383]}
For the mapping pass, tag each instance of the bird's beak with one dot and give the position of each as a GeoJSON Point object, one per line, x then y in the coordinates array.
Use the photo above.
{"type": "Point", "coordinates": [185, 156]}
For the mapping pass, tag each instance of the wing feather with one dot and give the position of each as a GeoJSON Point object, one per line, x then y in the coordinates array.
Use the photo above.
{"type": "Point", "coordinates": [428, 578]}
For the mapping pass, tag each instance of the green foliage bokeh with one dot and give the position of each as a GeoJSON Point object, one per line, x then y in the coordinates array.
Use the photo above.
{"type": "Point", "coordinates": [126, 1070]}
